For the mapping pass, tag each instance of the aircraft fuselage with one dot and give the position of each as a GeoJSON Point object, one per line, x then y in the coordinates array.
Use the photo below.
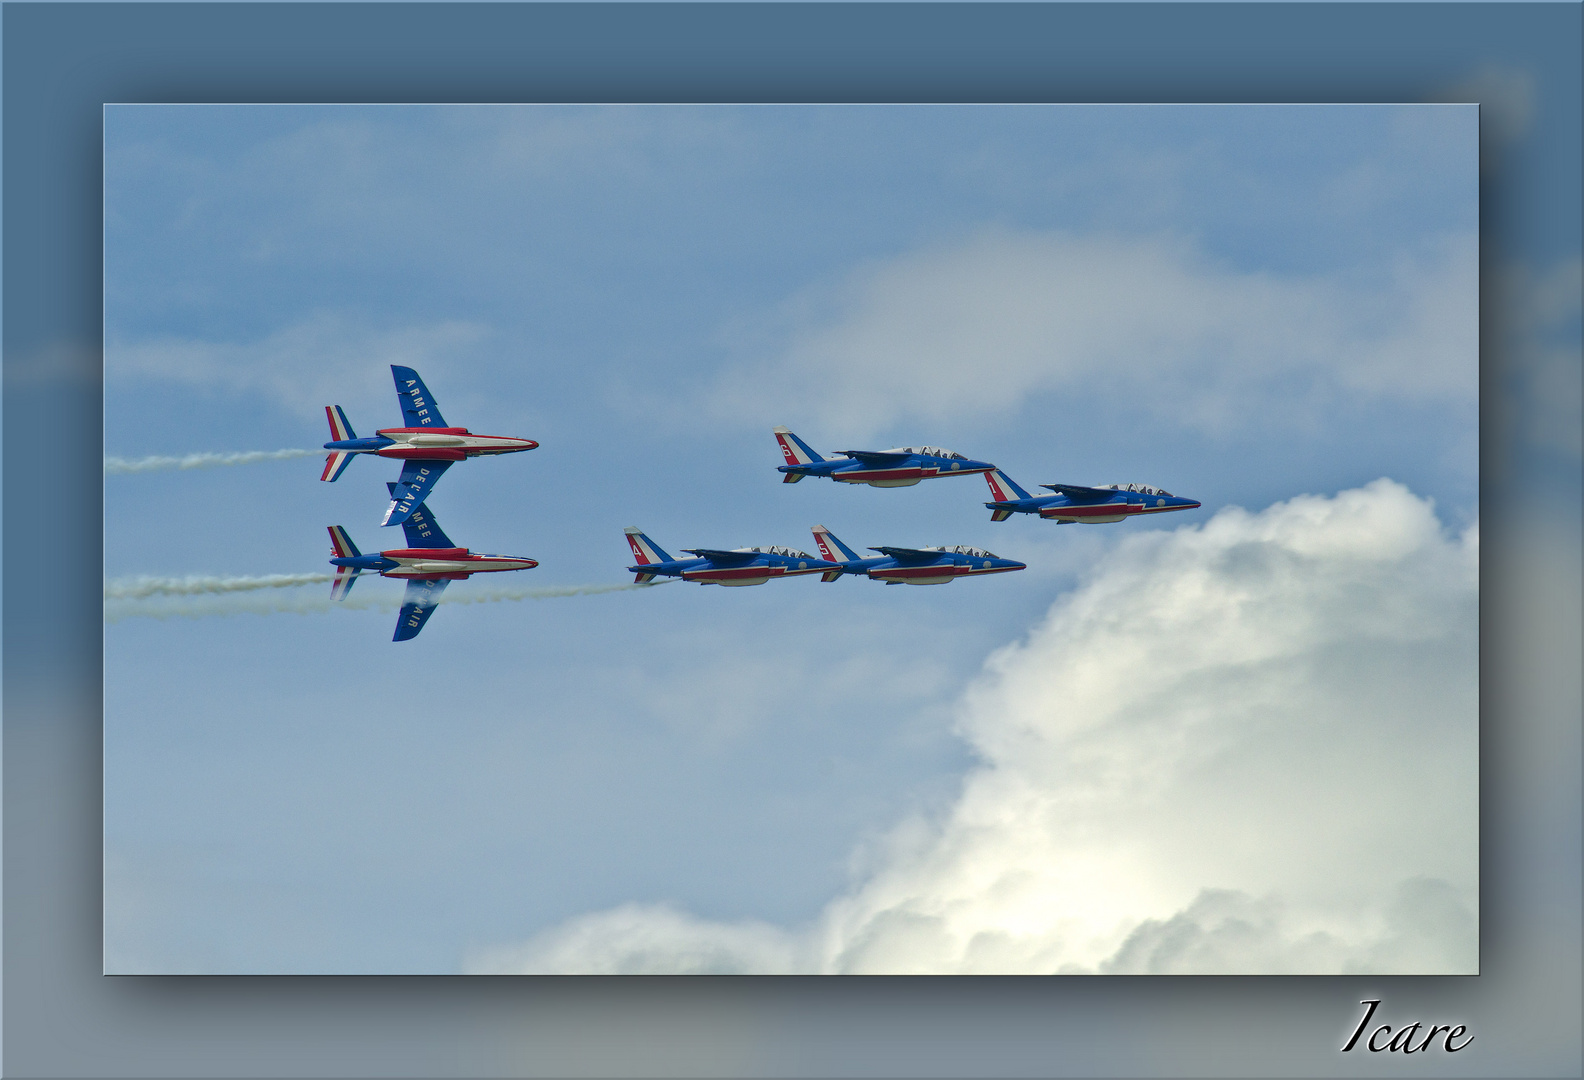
{"type": "Point", "coordinates": [434, 562]}
{"type": "Point", "coordinates": [431, 444]}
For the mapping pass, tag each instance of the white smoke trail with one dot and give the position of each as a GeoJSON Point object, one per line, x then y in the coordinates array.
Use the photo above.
{"type": "Point", "coordinates": [115, 465]}
{"type": "Point", "coordinates": [199, 597]}
{"type": "Point", "coordinates": [137, 588]}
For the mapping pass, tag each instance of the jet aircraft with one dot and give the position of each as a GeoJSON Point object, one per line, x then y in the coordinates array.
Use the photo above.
{"type": "Point", "coordinates": [1073, 502]}
{"type": "Point", "coordinates": [742, 566]}
{"type": "Point", "coordinates": [429, 562]}
{"type": "Point", "coordinates": [912, 566]}
{"type": "Point", "coordinates": [426, 446]}
{"type": "Point", "coordinates": [903, 466]}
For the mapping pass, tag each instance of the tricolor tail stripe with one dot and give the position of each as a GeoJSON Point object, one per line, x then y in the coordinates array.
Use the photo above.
{"type": "Point", "coordinates": [340, 430]}
{"type": "Point", "coordinates": [794, 449]}
{"type": "Point", "coordinates": [645, 551]}
{"type": "Point", "coordinates": [342, 544]}
{"type": "Point", "coordinates": [1000, 515]}
{"type": "Point", "coordinates": [335, 465]}
{"type": "Point", "coordinates": [822, 535]}
{"type": "Point", "coordinates": [1002, 489]}
{"type": "Point", "coordinates": [342, 584]}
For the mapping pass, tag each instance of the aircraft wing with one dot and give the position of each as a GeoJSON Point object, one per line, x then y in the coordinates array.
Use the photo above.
{"type": "Point", "coordinates": [723, 558]}
{"type": "Point", "coordinates": [909, 554]}
{"type": "Point", "coordinates": [421, 528]}
{"type": "Point", "coordinates": [418, 478]}
{"type": "Point", "coordinates": [1079, 493]}
{"type": "Point", "coordinates": [419, 603]}
{"type": "Point", "coordinates": [417, 406]}
{"type": "Point", "coordinates": [875, 457]}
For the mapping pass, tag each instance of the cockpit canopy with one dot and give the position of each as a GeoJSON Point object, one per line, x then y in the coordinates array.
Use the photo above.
{"type": "Point", "coordinates": [790, 553]}
{"type": "Point", "coordinates": [963, 549]}
{"type": "Point", "coordinates": [931, 451]}
{"type": "Point", "coordinates": [1142, 489]}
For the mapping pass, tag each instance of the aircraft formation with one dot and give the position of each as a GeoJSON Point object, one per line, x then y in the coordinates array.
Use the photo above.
{"type": "Point", "coordinates": [427, 447]}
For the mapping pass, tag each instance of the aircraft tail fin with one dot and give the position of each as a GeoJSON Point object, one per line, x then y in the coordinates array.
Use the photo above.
{"type": "Point", "coordinates": [796, 451]}
{"type": "Point", "coordinates": [340, 430]}
{"type": "Point", "coordinates": [645, 551]}
{"type": "Point", "coordinates": [342, 547]}
{"type": "Point", "coordinates": [1002, 487]}
{"type": "Point", "coordinates": [341, 544]}
{"type": "Point", "coordinates": [832, 549]}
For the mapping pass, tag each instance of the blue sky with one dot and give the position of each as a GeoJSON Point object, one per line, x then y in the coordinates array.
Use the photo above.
{"type": "Point", "coordinates": [1242, 304]}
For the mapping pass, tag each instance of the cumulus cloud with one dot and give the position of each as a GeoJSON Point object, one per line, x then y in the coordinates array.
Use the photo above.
{"type": "Point", "coordinates": [1246, 746]}
{"type": "Point", "coordinates": [325, 358]}
{"type": "Point", "coordinates": [969, 332]}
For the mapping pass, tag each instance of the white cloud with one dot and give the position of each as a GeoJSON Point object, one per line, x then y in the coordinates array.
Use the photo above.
{"type": "Point", "coordinates": [968, 333]}
{"type": "Point", "coordinates": [1246, 746]}
{"type": "Point", "coordinates": [327, 358]}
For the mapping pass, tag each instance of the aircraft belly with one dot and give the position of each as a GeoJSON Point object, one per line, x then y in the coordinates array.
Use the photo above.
{"type": "Point", "coordinates": [740, 575]}
{"type": "Point", "coordinates": [1097, 514]}
{"type": "Point", "coordinates": [920, 575]}
{"type": "Point", "coordinates": [881, 477]}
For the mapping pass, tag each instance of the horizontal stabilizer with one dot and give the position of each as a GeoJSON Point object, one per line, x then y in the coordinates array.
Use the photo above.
{"type": "Point", "coordinates": [722, 558]}
{"type": "Point", "coordinates": [1000, 515]}
{"type": "Point", "coordinates": [1080, 493]}
{"type": "Point", "coordinates": [344, 577]}
{"type": "Point", "coordinates": [643, 579]}
{"type": "Point", "coordinates": [792, 477]}
{"type": "Point", "coordinates": [335, 465]}
{"type": "Point", "coordinates": [417, 605]}
{"type": "Point", "coordinates": [831, 575]}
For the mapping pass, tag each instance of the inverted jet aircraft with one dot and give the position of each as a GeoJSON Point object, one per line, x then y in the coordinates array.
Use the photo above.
{"type": "Point", "coordinates": [426, 446]}
{"type": "Point", "coordinates": [742, 566]}
{"type": "Point", "coordinates": [1073, 502]}
{"type": "Point", "coordinates": [429, 562]}
{"type": "Point", "coordinates": [911, 566]}
{"type": "Point", "coordinates": [903, 466]}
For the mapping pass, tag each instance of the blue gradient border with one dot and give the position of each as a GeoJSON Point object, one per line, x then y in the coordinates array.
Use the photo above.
{"type": "Point", "coordinates": [62, 1018]}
